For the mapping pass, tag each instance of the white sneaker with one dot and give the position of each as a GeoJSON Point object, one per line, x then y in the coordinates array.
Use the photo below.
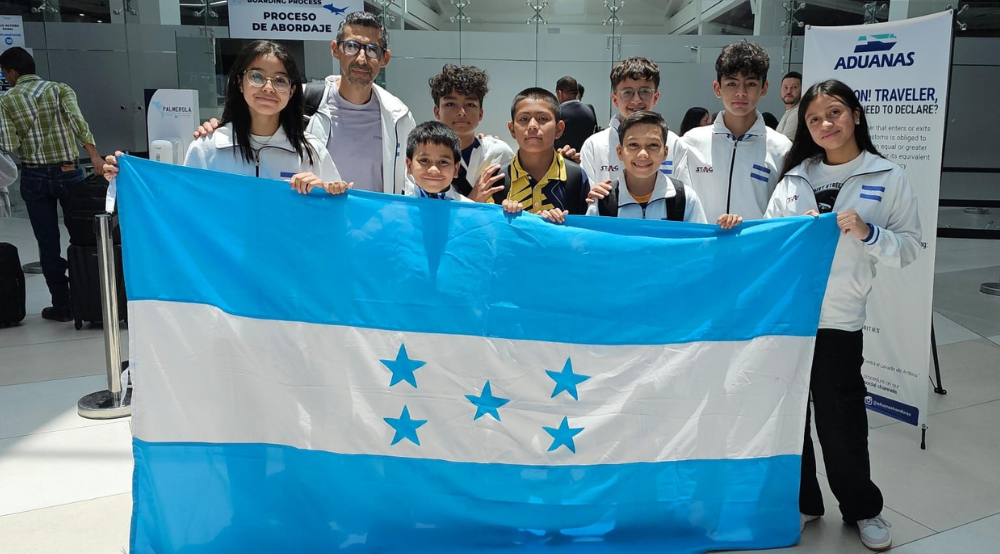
{"type": "Point", "coordinates": [875, 533]}
{"type": "Point", "coordinates": [804, 519]}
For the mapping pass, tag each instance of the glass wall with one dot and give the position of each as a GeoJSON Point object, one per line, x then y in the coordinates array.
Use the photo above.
{"type": "Point", "coordinates": [110, 51]}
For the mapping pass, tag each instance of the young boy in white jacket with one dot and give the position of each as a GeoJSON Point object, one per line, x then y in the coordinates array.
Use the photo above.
{"type": "Point", "coordinates": [734, 164]}
{"type": "Point", "coordinates": [458, 93]}
{"type": "Point", "coordinates": [433, 156]}
{"type": "Point", "coordinates": [833, 166]}
{"type": "Point", "coordinates": [643, 191]}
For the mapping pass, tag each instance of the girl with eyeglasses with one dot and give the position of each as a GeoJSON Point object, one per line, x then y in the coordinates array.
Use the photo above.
{"type": "Point", "coordinates": [833, 166]}
{"type": "Point", "coordinates": [263, 131]}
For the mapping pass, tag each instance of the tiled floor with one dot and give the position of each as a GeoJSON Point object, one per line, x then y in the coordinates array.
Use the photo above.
{"type": "Point", "coordinates": [65, 481]}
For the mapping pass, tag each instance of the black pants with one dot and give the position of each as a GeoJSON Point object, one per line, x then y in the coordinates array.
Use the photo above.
{"type": "Point", "coordinates": [838, 395]}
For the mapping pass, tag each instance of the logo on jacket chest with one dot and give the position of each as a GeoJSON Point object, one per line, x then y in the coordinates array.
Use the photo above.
{"type": "Point", "coordinates": [610, 167]}
{"type": "Point", "coordinates": [703, 169]}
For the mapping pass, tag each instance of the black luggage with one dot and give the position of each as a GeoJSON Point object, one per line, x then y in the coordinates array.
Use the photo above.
{"type": "Point", "coordinates": [85, 284]}
{"type": "Point", "coordinates": [11, 286]}
{"type": "Point", "coordinates": [84, 201]}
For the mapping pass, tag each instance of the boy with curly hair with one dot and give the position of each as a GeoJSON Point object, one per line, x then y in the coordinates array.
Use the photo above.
{"type": "Point", "coordinates": [458, 93]}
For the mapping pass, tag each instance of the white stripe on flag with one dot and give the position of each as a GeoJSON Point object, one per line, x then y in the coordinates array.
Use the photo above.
{"type": "Point", "coordinates": [240, 380]}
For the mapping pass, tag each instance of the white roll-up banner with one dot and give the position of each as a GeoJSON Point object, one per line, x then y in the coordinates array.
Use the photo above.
{"type": "Point", "coordinates": [899, 71]}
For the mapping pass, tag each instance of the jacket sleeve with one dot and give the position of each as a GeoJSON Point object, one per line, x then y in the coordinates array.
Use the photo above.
{"type": "Point", "coordinates": [499, 154]}
{"type": "Point", "coordinates": [791, 197]}
{"type": "Point", "coordinates": [403, 128]}
{"type": "Point", "coordinates": [694, 212]}
{"type": "Point", "coordinates": [897, 244]}
{"type": "Point", "coordinates": [195, 156]}
{"type": "Point", "coordinates": [588, 160]}
{"type": "Point", "coordinates": [680, 156]}
{"type": "Point", "coordinates": [81, 131]}
{"type": "Point", "coordinates": [326, 169]}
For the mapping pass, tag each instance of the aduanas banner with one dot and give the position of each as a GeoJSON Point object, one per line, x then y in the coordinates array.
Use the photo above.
{"type": "Point", "coordinates": [899, 71]}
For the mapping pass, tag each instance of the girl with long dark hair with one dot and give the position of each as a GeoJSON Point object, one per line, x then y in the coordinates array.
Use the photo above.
{"type": "Point", "coordinates": [834, 167]}
{"type": "Point", "coordinates": [263, 131]}
{"type": "Point", "coordinates": [694, 117]}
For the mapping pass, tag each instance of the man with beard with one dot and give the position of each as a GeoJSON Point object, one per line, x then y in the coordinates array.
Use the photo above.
{"type": "Point", "coordinates": [362, 124]}
{"type": "Point", "coordinates": [791, 92]}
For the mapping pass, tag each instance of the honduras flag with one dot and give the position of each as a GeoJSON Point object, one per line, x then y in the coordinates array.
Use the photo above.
{"type": "Point", "coordinates": [373, 373]}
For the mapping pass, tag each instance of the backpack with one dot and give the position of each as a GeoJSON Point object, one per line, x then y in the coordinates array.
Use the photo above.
{"type": "Point", "coordinates": [675, 205]}
{"type": "Point", "coordinates": [313, 95]}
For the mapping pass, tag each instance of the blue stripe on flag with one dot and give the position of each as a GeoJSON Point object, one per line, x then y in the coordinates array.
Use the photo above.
{"type": "Point", "coordinates": [210, 498]}
{"type": "Point", "coordinates": [460, 268]}
{"type": "Point", "coordinates": [762, 168]}
{"type": "Point", "coordinates": [871, 197]}
{"type": "Point", "coordinates": [667, 167]}
{"type": "Point", "coordinates": [872, 187]}
{"type": "Point", "coordinates": [758, 177]}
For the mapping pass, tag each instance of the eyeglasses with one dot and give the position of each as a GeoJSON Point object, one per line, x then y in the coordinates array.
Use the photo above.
{"type": "Point", "coordinates": [627, 94]}
{"type": "Point", "coordinates": [279, 82]}
{"type": "Point", "coordinates": [351, 48]}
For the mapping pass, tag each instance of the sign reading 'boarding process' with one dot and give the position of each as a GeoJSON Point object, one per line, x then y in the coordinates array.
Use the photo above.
{"type": "Point", "coordinates": [288, 19]}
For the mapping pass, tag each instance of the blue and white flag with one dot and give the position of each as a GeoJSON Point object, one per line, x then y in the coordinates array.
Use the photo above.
{"type": "Point", "coordinates": [375, 373]}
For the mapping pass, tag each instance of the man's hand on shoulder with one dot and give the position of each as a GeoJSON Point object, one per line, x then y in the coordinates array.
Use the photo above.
{"type": "Point", "coordinates": [207, 128]}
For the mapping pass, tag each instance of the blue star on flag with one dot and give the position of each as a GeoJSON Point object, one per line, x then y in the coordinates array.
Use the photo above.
{"type": "Point", "coordinates": [402, 367]}
{"type": "Point", "coordinates": [486, 403]}
{"type": "Point", "coordinates": [405, 426]}
{"type": "Point", "coordinates": [563, 435]}
{"type": "Point", "coordinates": [566, 380]}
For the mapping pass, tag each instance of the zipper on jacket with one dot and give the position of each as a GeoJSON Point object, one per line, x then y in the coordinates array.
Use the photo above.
{"type": "Point", "coordinates": [732, 166]}
{"type": "Point", "coordinates": [256, 162]}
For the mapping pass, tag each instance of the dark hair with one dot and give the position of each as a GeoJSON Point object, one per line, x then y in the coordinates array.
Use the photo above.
{"type": "Point", "coordinates": [803, 147]}
{"type": "Point", "coordinates": [19, 60]}
{"type": "Point", "coordinates": [536, 93]}
{"type": "Point", "coordinates": [743, 58]}
{"type": "Point", "coordinates": [363, 19]}
{"type": "Point", "coordinates": [579, 90]}
{"type": "Point", "coordinates": [237, 112]}
{"type": "Point", "coordinates": [792, 75]}
{"type": "Point", "coordinates": [433, 132]}
{"type": "Point", "coordinates": [770, 120]}
{"type": "Point", "coordinates": [692, 119]}
{"type": "Point", "coordinates": [568, 85]}
{"type": "Point", "coordinates": [640, 69]}
{"type": "Point", "coordinates": [465, 79]}
{"type": "Point", "coordinates": [642, 117]}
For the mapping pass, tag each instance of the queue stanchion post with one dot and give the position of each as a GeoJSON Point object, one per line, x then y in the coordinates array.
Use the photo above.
{"type": "Point", "coordinates": [113, 402]}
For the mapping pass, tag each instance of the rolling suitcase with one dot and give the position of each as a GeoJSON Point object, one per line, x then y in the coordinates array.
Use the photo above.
{"type": "Point", "coordinates": [84, 201]}
{"type": "Point", "coordinates": [11, 286]}
{"type": "Point", "coordinates": [85, 284]}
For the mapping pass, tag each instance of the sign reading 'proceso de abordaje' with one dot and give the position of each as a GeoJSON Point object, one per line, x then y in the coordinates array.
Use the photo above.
{"type": "Point", "coordinates": [288, 19]}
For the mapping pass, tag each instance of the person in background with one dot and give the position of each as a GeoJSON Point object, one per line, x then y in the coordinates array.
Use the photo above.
{"type": "Point", "coordinates": [580, 118]}
{"type": "Point", "coordinates": [769, 120]}
{"type": "Point", "coordinates": [41, 122]}
{"type": "Point", "coordinates": [694, 117]}
{"type": "Point", "coordinates": [791, 92]}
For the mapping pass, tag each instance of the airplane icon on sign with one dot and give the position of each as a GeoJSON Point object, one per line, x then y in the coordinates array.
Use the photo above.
{"type": "Point", "coordinates": [335, 10]}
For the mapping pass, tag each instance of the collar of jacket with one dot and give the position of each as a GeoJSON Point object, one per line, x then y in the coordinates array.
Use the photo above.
{"type": "Point", "coordinates": [759, 129]}
{"type": "Point", "coordinates": [663, 188]}
{"type": "Point", "coordinates": [387, 102]}
{"type": "Point", "coordinates": [223, 137]}
{"type": "Point", "coordinates": [615, 122]}
{"type": "Point", "coordinates": [556, 171]}
{"type": "Point", "coordinates": [869, 164]}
